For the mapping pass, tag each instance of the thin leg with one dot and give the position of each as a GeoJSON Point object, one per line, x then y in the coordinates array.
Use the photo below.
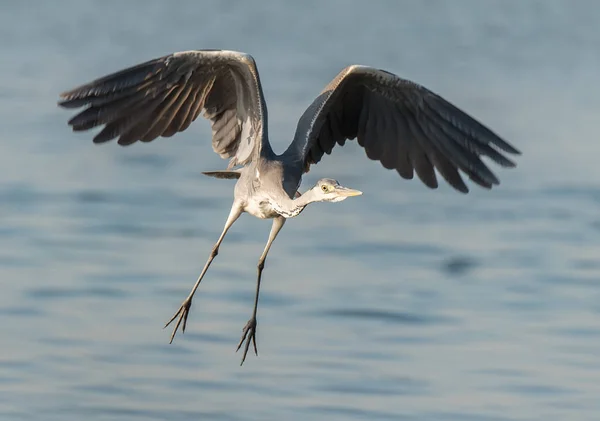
{"type": "Point", "coordinates": [249, 332]}
{"type": "Point", "coordinates": [183, 311]}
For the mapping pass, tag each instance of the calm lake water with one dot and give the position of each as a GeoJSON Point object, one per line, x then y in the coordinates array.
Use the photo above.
{"type": "Point", "coordinates": [402, 304]}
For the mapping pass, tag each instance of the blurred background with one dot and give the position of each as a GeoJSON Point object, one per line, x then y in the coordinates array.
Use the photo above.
{"type": "Point", "coordinates": [403, 304]}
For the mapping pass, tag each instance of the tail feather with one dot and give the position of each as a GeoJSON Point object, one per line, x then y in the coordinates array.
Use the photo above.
{"type": "Point", "coordinates": [225, 175]}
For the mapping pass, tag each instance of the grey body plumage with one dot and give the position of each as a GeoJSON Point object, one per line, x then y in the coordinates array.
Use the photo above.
{"type": "Point", "coordinates": [403, 125]}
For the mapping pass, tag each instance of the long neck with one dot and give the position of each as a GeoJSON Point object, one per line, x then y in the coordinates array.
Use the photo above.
{"type": "Point", "coordinates": [289, 208]}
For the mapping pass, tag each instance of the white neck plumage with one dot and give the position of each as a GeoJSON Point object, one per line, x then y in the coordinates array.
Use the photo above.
{"type": "Point", "coordinates": [292, 207]}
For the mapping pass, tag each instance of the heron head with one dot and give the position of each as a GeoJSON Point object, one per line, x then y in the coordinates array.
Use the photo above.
{"type": "Point", "coordinates": [329, 190]}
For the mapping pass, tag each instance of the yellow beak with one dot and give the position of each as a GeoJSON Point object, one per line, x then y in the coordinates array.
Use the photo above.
{"type": "Point", "coordinates": [346, 192]}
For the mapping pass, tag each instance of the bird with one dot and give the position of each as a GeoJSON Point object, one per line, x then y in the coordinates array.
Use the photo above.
{"type": "Point", "coordinates": [400, 123]}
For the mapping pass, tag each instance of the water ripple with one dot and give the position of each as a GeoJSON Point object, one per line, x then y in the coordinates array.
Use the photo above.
{"type": "Point", "coordinates": [356, 413]}
{"type": "Point", "coordinates": [57, 293]}
{"type": "Point", "coordinates": [378, 387]}
{"type": "Point", "coordinates": [388, 316]}
{"type": "Point", "coordinates": [459, 265]}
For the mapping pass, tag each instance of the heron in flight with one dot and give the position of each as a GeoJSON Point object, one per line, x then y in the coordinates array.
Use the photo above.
{"type": "Point", "coordinates": [403, 125]}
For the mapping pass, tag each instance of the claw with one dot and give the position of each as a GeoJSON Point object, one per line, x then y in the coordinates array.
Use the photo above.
{"type": "Point", "coordinates": [181, 315]}
{"type": "Point", "coordinates": [248, 335]}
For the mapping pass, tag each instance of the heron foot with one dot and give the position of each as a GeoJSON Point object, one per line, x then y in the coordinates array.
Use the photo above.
{"type": "Point", "coordinates": [181, 315]}
{"type": "Point", "coordinates": [248, 335]}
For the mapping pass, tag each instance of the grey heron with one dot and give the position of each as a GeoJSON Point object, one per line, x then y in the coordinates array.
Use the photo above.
{"type": "Point", "coordinates": [402, 124]}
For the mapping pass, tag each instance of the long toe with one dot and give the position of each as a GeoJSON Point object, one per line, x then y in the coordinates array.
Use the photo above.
{"type": "Point", "coordinates": [254, 343]}
{"type": "Point", "coordinates": [172, 318]}
{"type": "Point", "coordinates": [181, 316]}
{"type": "Point", "coordinates": [248, 335]}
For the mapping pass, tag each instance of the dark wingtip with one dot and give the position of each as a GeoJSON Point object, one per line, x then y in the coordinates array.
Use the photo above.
{"type": "Point", "coordinates": [461, 188]}
{"type": "Point", "coordinates": [431, 183]}
{"type": "Point", "coordinates": [68, 102]}
{"type": "Point", "coordinates": [507, 147]}
{"type": "Point", "coordinates": [106, 135]}
{"type": "Point", "coordinates": [97, 141]}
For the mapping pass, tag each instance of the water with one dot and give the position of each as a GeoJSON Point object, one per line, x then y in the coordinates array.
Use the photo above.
{"type": "Point", "coordinates": [403, 304]}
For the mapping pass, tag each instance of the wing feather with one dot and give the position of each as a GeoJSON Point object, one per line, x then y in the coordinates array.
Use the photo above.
{"type": "Point", "coordinates": [163, 96]}
{"type": "Point", "coordinates": [403, 125]}
{"type": "Point", "coordinates": [417, 156]}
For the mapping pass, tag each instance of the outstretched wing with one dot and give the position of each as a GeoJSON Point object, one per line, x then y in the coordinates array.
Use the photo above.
{"type": "Point", "coordinates": [163, 96]}
{"type": "Point", "coordinates": [401, 124]}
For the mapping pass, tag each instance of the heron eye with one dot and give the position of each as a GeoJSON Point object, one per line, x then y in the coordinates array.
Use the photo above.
{"type": "Point", "coordinates": [324, 188]}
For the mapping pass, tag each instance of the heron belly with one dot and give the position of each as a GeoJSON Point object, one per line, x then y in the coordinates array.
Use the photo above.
{"type": "Point", "coordinates": [260, 208]}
